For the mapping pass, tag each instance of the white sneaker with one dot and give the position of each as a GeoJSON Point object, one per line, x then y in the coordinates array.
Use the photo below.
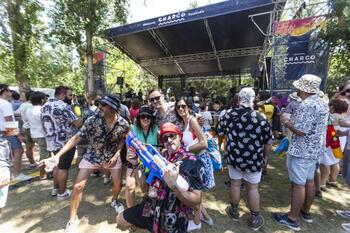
{"type": "Point", "coordinates": [208, 221]}
{"type": "Point", "coordinates": [63, 196]}
{"type": "Point", "coordinates": [193, 227]}
{"type": "Point", "coordinates": [20, 177]}
{"type": "Point", "coordinates": [54, 192]}
{"type": "Point", "coordinates": [72, 226]}
{"type": "Point", "coordinates": [118, 206]}
{"type": "Point", "coordinates": [346, 226]}
{"type": "Point", "coordinates": [343, 213]}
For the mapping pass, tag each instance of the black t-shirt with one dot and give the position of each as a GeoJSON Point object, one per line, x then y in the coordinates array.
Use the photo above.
{"type": "Point", "coordinates": [246, 133]}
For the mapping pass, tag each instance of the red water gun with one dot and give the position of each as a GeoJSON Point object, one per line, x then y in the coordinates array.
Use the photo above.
{"type": "Point", "coordinates": [332, 141]}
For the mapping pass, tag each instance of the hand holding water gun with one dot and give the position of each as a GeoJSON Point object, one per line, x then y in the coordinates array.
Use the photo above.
{"type": "Point", "coordinates": [332, 141]}
{"type": "Point", "coordinates": [282, 148]}
{"type": "Point", "coordinates": [153, 160]}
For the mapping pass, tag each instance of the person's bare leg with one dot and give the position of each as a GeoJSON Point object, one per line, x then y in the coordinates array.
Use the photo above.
{"type": "Point", "coordinates": [29, 152]}
{"type": "Point", "coordinates": [62, 177]}
{"type": "Point", "coordinates": [130, 187]}
{"type": "Point", "coordinates": [55, 179]}
{"type": "Point", "coordinates": [334, 173]}
{"type": "Point", "coordinates": [297, 201]}
{"type": "Point", "coordinates": [77, 192]}
{"type": "Point", "coordinates": [205, 212]}
{"type": "Point", "coordinates": [253, 196]}
{"type": "Point", "coordinates": [325, 171]}
{"type": "Point", "coordinates": [117, 182]}
{"type": "Point", "coordinates": [17, 161]}
{"type": "Point", "coordinates": [121, 221]}
{"type": "Point", "coordinates": [309, 195]}
{"type": "Point", "coordinates": [317, 180]}
{"type": "Point", "coordinates": [235, 191]}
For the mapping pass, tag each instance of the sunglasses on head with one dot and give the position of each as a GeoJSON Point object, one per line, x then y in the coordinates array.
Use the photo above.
{"type": "Point", "coordinates": [142, 117]}
{"type": "Point", "coordinates": [154, 99]}
{"type": "Point", "coordinates": [166, 137]}
{"type": "Point", "coordinates": [183, 106]}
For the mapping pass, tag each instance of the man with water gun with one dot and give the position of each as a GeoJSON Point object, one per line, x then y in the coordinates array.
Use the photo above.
{"type": "Point", "coordinates": [167, 203]}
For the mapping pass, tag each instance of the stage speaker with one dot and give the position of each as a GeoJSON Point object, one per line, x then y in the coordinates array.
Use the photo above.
{"type": "Point", "coordinates": [120, 81]}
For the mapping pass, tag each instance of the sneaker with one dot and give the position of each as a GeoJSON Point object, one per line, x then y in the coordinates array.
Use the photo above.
{"type": "Point", "coordinates": [21, 177]}
{"type": "Point", "coordinates": [233, 214]}
{"type": "Point", "coordinates": [54, 192]}
{"type": "Point", "coordinates": [208, 221]}
{"type": "Point", "coordinates": [256, 222]}
{"type": "Point", "coordinates": [346, 226]}
{"type": "Point", "coordinates": [106, 180]}
{"type": "Point", "coordinates": [32, 166]}
{"type": "Point", "coordinates": [323, 188]}
{"type": "Point", "coordinates": [192, 226]}
{"type": "Point", "coordinates": [343, 213]}
{"type": "Point", "coordinates": [306, 217]}
{"type": "Point", "coordinates": [118, 206]}
{"type": "Point", "coordinates": [72, 226]}
{"type": "Point", "coordinates": [332, 184]}
{"type": "Point", "coordinates": [64, 196]}
{"type": "Point", "coordinates": [285, 221]}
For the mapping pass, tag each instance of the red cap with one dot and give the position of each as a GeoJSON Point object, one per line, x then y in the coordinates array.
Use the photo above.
{"type": "Point", "coordinates": [169, 128]}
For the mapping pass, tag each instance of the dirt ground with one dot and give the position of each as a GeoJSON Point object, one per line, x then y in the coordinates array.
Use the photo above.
{"type": "Point", "coordinates": [30, 208]}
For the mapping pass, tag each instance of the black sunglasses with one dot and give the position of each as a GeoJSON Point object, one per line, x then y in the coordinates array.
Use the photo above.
{"type": "Point", "coordinates": [165, 138]}
{"type": "Point", "coordinates": [145, 117]}
{"type": "Point", "coordinates": [154, 99]}
{"type": "Point", "coordinates": [183, 106]}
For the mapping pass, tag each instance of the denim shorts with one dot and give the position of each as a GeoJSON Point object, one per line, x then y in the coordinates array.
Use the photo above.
{"type": "Point", "coordinates": [301, 170]}
{"type": "Point", "coordinates": [15, 143]}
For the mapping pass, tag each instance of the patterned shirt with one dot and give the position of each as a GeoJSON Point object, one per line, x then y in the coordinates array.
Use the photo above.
{"type": "Point", "coordinates": [311, 119]}
{"type": "Point", "coordinates": [169, 214]}
{"type": "Point", "coordinates": [246, 132]}
{"type": "Point", "coordinates": [57, 118]}
{"type": "Point", "coordinates": [103, 141]}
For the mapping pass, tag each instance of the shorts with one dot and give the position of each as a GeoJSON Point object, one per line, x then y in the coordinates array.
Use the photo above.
{"type": "Point", "coordinates": [301, 170]}
{"type": "Point", "coordinates": [26, 135]}
{"type": "Point", "coordinates": [5, 172]}
{"type": "Point", "coordinates": [346, 166]}
{"type": "Point", "coordinates": [65, 161]}
{"type": "Point", "coordinates": [134, 216]}
{"type": "Point", "coordinates": [43, 152]}
{"type": "Point", "coordinates": [250, 177]}
{"type": "Point", "coordinates": [84, 164]}
{"type": "Point", "coordinates": [15, 143]}
{"type": "Point", "coordinates": [328, 158]}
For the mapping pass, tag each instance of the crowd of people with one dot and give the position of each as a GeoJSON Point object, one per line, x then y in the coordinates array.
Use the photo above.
{"type": "Point", "coordinates": [66, 126]}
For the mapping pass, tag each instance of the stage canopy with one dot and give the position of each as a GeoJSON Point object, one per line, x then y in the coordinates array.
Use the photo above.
{"type": "Point", "coordinates": [217, 39]}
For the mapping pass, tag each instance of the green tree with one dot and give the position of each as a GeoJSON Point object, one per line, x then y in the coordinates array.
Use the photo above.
{"type": "Point", "coordinates": [20, 28]}
{"type": "Point", "coordinates": [77, 23]}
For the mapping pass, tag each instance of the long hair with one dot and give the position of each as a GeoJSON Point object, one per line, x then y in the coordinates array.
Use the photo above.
{"type": "Point", "coordinates": [152, 125]}
{"type": "Point", "coordinates": [189, 106]}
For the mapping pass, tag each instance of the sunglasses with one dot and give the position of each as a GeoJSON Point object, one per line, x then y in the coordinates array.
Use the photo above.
{"type": "Point", "coordinates": [103, 104]}
{"type": "Point", "coordinates": [154, 99]}
{"type": "Point", "coordinates": [166, 137]}
{"type": "Point", "coordinates": [145, 117]}
{"type": "Point", "coordinates": [183, 106]}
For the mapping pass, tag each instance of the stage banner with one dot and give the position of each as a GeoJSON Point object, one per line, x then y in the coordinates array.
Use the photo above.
{"type": "Point", "coordinates": [297, 50]}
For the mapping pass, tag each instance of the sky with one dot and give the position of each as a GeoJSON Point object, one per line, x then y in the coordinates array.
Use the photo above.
{"type": "Point", "coordinates": [154, 8]}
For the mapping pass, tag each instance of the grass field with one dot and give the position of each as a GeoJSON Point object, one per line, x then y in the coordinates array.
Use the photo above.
{"type": "Point", "coordinates": [31, 208]}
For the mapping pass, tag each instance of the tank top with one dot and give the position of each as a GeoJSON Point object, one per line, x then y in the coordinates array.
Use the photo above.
{"type": "Point", "coordinates": [189, 138]}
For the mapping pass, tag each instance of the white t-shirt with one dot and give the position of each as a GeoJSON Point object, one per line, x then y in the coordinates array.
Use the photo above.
{"type": "Point", "coordinates": [34, 120]}
{"type": "Point", "coordinates": [22, 110]}
{"type": "Point", "coordinates": [207, 119]}
{"type": "Point", "coordinates": [5, 110]}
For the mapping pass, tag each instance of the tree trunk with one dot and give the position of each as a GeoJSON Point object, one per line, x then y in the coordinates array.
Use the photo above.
{"type": "Point", "coordinates": [19, 43]}
{"type": "Point", "coordinates": [89, 48]}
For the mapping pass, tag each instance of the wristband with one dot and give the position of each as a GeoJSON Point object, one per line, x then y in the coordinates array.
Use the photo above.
{"type": "Point", "coordinates": [187, 148]}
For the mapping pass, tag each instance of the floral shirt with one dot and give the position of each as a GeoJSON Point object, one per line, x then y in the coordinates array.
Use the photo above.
{"type": "Point", "coordinates": [169, 214]}
{"type": "Point", "coordinates": [246, 132]}
{"type": "Point", "coordinates": [57, 118]}
{"type": "Point", "coordinates": [102, 141]}
{"type": "Point", "coordinates": [311, 119]}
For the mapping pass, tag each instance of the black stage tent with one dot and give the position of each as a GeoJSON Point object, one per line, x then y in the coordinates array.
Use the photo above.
{"type": "Point", "coordinates": [214, 40]}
